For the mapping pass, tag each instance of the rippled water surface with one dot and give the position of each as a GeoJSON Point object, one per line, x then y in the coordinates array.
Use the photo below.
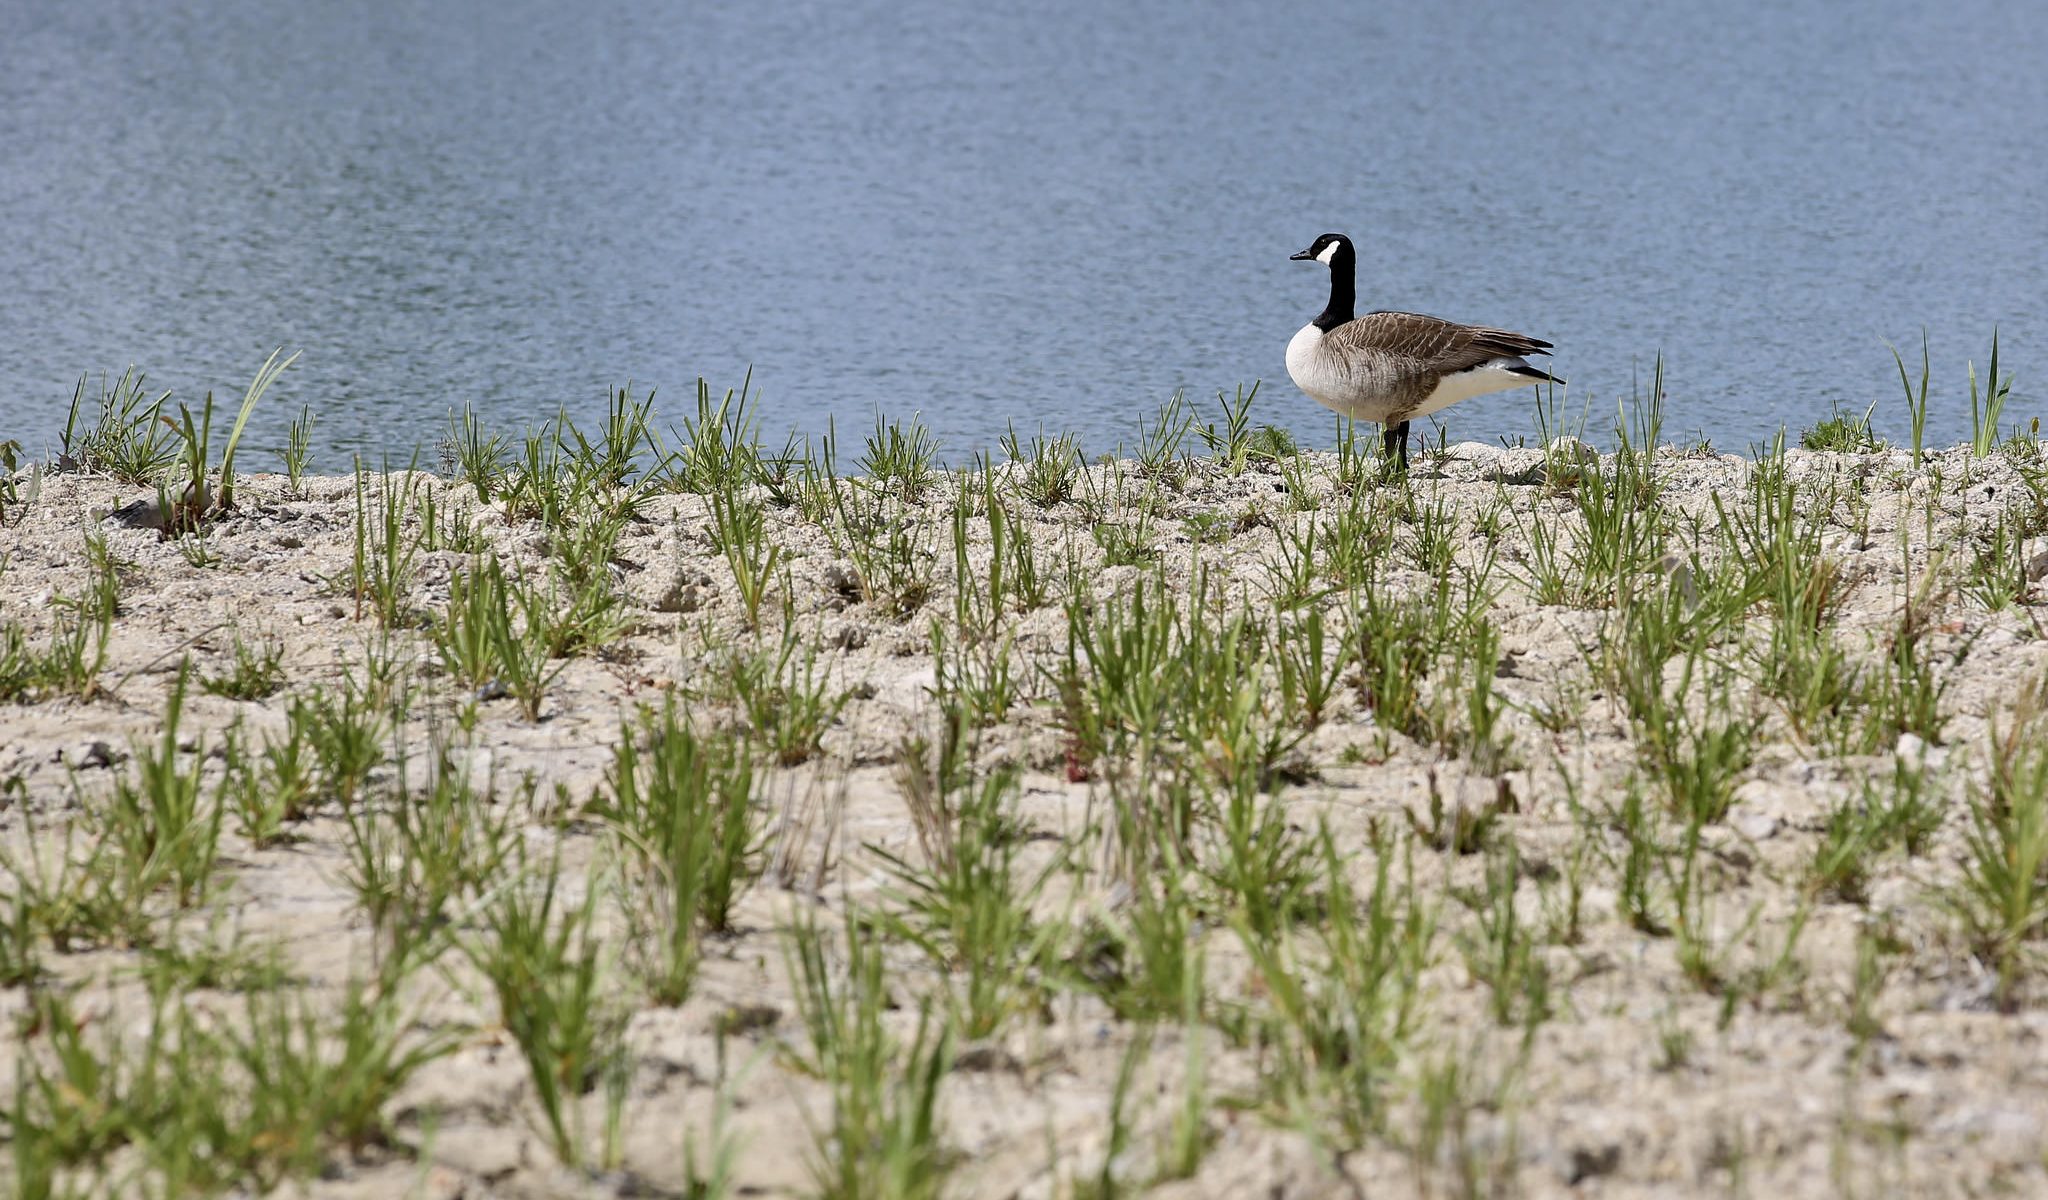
{"type": "Point", "coordinates": [1050, 216]}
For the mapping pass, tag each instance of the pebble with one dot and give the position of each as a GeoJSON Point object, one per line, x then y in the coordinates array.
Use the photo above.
{"type": "Point", "coordinates": [1520, 466]}
{"type": "Point", "coordinates": [1566, 445]}
{"type": "Point", "coordinates": [842, 579]}
{"type": "Point", "coordinates": [85, 756]}
{"type": "Point", "coordinates": [678, 597]}
{"type": "Point", "coordinates": [1471, 460]}
{"type": "Point", "coordinates": [1757, 827]}
{"type": "Point", "coordinates": [1591, 1162]}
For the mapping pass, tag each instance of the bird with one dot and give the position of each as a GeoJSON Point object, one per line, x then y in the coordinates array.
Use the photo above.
{"type": "Point", "coordinates": [1392, 367]}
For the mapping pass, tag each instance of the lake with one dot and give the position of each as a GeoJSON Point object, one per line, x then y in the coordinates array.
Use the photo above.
{"type": "Point", "coordinates": [1053, 216]}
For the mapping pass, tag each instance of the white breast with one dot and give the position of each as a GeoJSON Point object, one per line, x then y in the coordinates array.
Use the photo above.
{"type": "Point", "coordinates": [1330, 380]}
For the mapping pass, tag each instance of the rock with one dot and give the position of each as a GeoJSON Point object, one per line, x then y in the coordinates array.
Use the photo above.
{"type": "Point", "coordinates": [1757, 827]}
{"type": "Point", "coordinates": [678, 596]}
{"type": "Point", "coordinates": [1571, 449]}
{"type": "Point", "coordinates": [1519, 466]}
{"type": "Point", "coordinates": [2037, 567]}
{"type": "Point", "coordinates": [1680, 572]}
{"type": "Point", "coordinates": [138, 514]}
{"type": "Point", "coordinates": [1455, 814]}
{"type": "Point", "coordinates": [843, 580]}
{"type": "Point", "coordinates": [1895, 894]}
{"type": "Point", "coordinates": [90, 755]}
{"type": "Point", "coordinates": [2010, 1130]}
{"type": "Point", "coordinates": [1468, 460]}
{"type": "Point", "coordinates": [1994, 639]}
{"type": "Point", "coordinates": [1591, 1162]}
{"type": "Point", "coordinates": [745, 1020]}
{"type": "Point", "coordinates": [1591, 1150]}
{"type": "Point", "coordinates": [986, 1057]}
{"type": "Point", "coordinates": [482, 1151]}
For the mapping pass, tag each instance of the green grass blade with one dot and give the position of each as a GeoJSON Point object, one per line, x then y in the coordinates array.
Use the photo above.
{"type": "Point", "coordinates": [265, 376]}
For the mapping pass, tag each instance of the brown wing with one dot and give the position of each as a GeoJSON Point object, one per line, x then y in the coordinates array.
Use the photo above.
{"type": "Point", "coordinates": [1430, 342]}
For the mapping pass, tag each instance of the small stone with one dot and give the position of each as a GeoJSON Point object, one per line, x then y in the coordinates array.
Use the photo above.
{"type": "Point", "coordinates": [87, 756]}
{"type": "Point", "coordinates": [485, 1152]}
{"type": "Point", "coordinates": [843, 580]}
{"type": "Point", "coordinates": [1757, 827]}
{"type": "Point", "coordinates": [1591, 1162]}
{"type": "Point", "coordinates": [1680, 572]}
{"type": "Point", "coordinates": [1998, 638]}
{"type": "Point", "coordinates": [1469, 459]}
{"type": "Point", "coordinates": [1911, 750]}
{"type": "Point", "coordinates": [986, 1057]}
{"type": "Point", "coordinates": [2037, 567]}
{"type": "Point", "coordinates": [1520, 466]}
{"type": "Point", "coordinates": [745, 1019]}
{"type": "Point", "coordinates": [1573, 449]}
{"type": "Point", "coordinates": [138, 514]}
{"type": "Point", "coordinates": [677, 597]}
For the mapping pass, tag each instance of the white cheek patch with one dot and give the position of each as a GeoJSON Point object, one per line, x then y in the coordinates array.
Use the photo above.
{"type": "Point", "coordinates": [1329, 252]}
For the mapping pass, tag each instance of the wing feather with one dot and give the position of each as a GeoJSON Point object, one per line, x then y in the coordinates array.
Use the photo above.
{"type": "Point", "coordinates": [1430, 343]}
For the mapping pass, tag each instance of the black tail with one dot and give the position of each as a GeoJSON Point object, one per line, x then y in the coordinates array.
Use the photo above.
{"type": "Point", "coordinates": [1536, 374]}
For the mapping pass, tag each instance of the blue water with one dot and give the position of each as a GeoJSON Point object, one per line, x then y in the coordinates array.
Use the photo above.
{"type": "Point", "coordinates": [1057, 215]}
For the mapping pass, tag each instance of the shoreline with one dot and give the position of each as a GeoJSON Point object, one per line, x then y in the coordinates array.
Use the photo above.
{"type": "Point", "coordinates": [1678, 782]}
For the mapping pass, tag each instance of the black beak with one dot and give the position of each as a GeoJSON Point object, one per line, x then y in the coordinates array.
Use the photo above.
{"type": "Point", "coordinates": [1297, 257]}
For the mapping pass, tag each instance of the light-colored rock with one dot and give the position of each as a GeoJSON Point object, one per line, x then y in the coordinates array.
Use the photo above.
{"type": "Point", "coordinates": [1519, 466]}
{"type": "Point", "coordinates": [1757, 827]}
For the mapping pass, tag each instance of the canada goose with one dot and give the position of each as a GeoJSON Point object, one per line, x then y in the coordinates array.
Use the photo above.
{"type": "Point", "coordinates": [1392, 367]}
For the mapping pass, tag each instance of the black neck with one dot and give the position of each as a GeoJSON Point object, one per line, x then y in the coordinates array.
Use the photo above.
{"type": "Point", "coordinates": [1343, 271]}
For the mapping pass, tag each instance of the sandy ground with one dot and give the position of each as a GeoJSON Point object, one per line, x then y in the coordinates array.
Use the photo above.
{"type": "Point", "coordinates": [1641, 1084]}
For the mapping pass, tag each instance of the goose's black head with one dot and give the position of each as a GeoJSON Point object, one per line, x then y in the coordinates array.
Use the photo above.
{"type": "Point", "coordinates": [1326, 249]}
{"type": "Point", "coordinates": [1333, 250]}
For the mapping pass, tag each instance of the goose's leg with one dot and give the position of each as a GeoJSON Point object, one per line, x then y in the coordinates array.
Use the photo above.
{"type": "Point", "coordinates": [1394, 443]}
